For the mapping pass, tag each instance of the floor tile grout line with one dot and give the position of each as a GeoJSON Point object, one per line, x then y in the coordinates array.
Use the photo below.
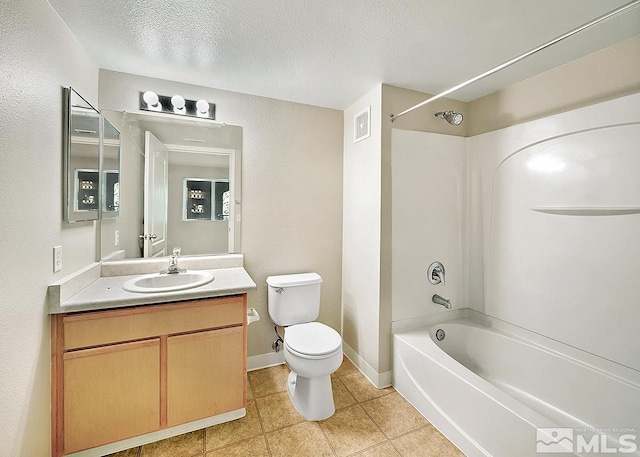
{"type": "Point", "coordinates": [266, 441]}
{"type": "Point", "coordinates": [264, 433]}
{"type": "Point", "coordinates": [204, 442]}
{"type": "Point", "coordinates": [333, 450]}
{"type": "Point", "coordinates": [391, 439]}
{"type": "Point", "coordinates": [372, 419]}
{"type": "Point", "coordinates": [342, 384]}
{"type": "Point", "coordinates": [405, 434]}
{"type": "Point", "coordinates": [395, 448]}
{"type": "Point", "coordinates": [373, 446]}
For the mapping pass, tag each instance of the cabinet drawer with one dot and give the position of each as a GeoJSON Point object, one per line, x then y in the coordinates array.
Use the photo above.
{"type": "Point", "coordinates": [106, 327]}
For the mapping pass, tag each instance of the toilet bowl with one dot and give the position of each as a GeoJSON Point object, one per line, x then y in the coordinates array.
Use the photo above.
{"type": "Point", "coordinates": [312, 351]}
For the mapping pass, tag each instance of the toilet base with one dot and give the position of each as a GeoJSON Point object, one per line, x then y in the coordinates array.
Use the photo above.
{"type": "Point", "coordinates": [312, 397]}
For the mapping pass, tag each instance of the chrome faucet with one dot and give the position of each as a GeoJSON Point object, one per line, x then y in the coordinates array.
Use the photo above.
{"type": "Point", "coordinates": [438, 300]}
{"type": "Point", "coordinates": [173, 263]}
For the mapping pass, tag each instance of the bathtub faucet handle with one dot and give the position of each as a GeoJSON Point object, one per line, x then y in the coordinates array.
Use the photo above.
{"type": "Point", "coordinates": [435, 273]}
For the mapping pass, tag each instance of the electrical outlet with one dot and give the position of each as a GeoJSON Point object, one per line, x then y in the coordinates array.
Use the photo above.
{"type": "Point", "coordinates": [117, 238]}
{"type": "Point", "coordinates": [57, 258]}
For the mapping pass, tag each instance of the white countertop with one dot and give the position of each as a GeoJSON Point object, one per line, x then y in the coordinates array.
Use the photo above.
{"type": "Point", "coordinates": [106, 292]}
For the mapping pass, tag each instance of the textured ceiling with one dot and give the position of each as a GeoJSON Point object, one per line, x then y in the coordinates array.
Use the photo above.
{"type": "Point", "coordinates": [330, 52]}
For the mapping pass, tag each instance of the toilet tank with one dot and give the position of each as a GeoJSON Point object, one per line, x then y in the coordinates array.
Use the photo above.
{"type": "Point", "coordinates": [294, 299]}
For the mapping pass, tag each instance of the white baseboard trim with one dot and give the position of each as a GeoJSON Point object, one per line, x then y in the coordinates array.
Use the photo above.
{"type": "Point", "coordinates": [379, 380]}
{"type": "Point", "coordinates": [270, 359]}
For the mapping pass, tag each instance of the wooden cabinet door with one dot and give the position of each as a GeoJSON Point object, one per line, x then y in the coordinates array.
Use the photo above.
{"type": "Point", "coordinates": [205, 374]}
{"type": "Point", "coordinates": [111, 393]}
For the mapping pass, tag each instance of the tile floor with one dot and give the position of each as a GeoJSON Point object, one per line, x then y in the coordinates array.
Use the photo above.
{"type": "Point", "coordinates": [368, 423]}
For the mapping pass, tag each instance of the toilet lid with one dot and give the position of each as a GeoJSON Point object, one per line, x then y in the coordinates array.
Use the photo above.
{"type": "Point", "coordinates": [312, 338]}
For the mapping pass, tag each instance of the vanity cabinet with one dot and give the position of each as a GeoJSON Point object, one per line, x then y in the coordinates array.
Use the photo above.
{"type": "Point", "coordinates": [122, 373]}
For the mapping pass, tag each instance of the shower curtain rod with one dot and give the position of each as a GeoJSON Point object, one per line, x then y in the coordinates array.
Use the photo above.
{"type": "Point", "coordinates": [621, 9]}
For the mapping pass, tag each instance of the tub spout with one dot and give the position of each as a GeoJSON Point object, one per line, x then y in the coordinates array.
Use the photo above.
{"type": "Point", "coordinates": [438, 300]}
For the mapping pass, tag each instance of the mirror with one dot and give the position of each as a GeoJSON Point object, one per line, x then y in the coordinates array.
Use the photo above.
{"type": "Point", "coordinates": [81, 158]}
{"type": "Point", "coordinates": [179, 186]}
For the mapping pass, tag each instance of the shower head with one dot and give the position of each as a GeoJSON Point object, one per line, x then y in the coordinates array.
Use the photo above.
{"type": "Point", "coordinates": [451, 117]}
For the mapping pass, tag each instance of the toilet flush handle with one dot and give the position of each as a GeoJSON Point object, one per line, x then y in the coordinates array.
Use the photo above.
{"type": "Point", "coordinates": [279, 290]}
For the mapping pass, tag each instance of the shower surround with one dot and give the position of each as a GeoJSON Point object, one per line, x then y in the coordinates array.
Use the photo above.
{"type": "Point", "coordinates": [537, 226]}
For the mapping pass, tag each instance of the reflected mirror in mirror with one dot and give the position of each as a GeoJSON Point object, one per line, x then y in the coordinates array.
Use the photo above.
{"type": "Point", "coordinates": [168, 167]}
{"type": "Point", "coordinates": [110, 170]}
{"type": "Point", "coordinates": [81, 158]}
{"type": "Point", "coordinates": [206, 199]}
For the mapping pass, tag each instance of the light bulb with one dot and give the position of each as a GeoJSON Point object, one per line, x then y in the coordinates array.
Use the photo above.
{"type": "Point", "coordinates": [178, 102]}
{"type": "Point", "coordinates": [203, 107]}
{"type": "Point", "coordinates": [151, 99]}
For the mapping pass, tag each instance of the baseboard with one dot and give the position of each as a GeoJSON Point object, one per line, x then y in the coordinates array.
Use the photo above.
{"type": "Point", "coordinates": [379, 380]}
{"type": "Point", "coordinates": [270, 359]}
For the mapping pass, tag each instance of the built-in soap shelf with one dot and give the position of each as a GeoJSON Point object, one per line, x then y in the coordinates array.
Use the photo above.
{"type": "Point", "coordinates": [252, 315]}
{"type": "Point", "coordinates": [587, 211]}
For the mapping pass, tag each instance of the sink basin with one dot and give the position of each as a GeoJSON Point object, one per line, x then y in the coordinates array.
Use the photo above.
{"type": "Point", "coordinates": [157, 282]}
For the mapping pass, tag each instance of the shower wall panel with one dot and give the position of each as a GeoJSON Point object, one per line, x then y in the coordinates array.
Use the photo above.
{"type": "Point", "coordinates": [561, 218]}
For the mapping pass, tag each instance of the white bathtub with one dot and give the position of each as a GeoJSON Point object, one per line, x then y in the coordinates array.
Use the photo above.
{"type": "Point", "coordinates": [488, 386]}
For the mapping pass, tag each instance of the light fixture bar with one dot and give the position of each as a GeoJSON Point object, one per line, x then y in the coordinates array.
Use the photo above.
{"type": "Point", "coordinates": [150, 101]}
{"type": "Point", "coordinates": [610, 14]}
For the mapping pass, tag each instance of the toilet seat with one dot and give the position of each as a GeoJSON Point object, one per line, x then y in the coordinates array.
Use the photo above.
{"type": "Point", "coordinates": [312, 340]}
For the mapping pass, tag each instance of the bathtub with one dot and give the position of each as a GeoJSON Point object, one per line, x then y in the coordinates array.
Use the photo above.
{"type": "Point", "coordinates": [493, 389]}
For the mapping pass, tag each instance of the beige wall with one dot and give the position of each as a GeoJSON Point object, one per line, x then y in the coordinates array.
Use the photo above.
{"type": "Point", "coordinates": [361, 237]}
{"type": "Point", "coordinates": [397, 99]}
{"type": "Point", "coordinates": [366, 262]}
{"type": "Point", "coordinates": [394, 101]}
{"type": "Point", "coordinates": [39, 56]}
{"type": "Point", "coordinates": [291, 187]}
{"type": "Point", "coordinates": [610, 73]}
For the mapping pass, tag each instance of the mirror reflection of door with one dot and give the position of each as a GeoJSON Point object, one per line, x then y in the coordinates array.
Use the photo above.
{"type": "Point", "coordinates": [156, 196]}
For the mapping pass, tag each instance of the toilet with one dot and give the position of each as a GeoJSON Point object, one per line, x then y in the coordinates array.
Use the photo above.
{"type": "Point", "coordinates": [312, 350]}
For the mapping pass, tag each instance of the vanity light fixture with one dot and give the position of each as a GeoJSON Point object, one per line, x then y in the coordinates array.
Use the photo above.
{"type": "Point", "coordinates": [150, 101]}
{"type": "Point", "coordinates": [178, 103]}
{"type": "Point", "coordinates": [202, 108]}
